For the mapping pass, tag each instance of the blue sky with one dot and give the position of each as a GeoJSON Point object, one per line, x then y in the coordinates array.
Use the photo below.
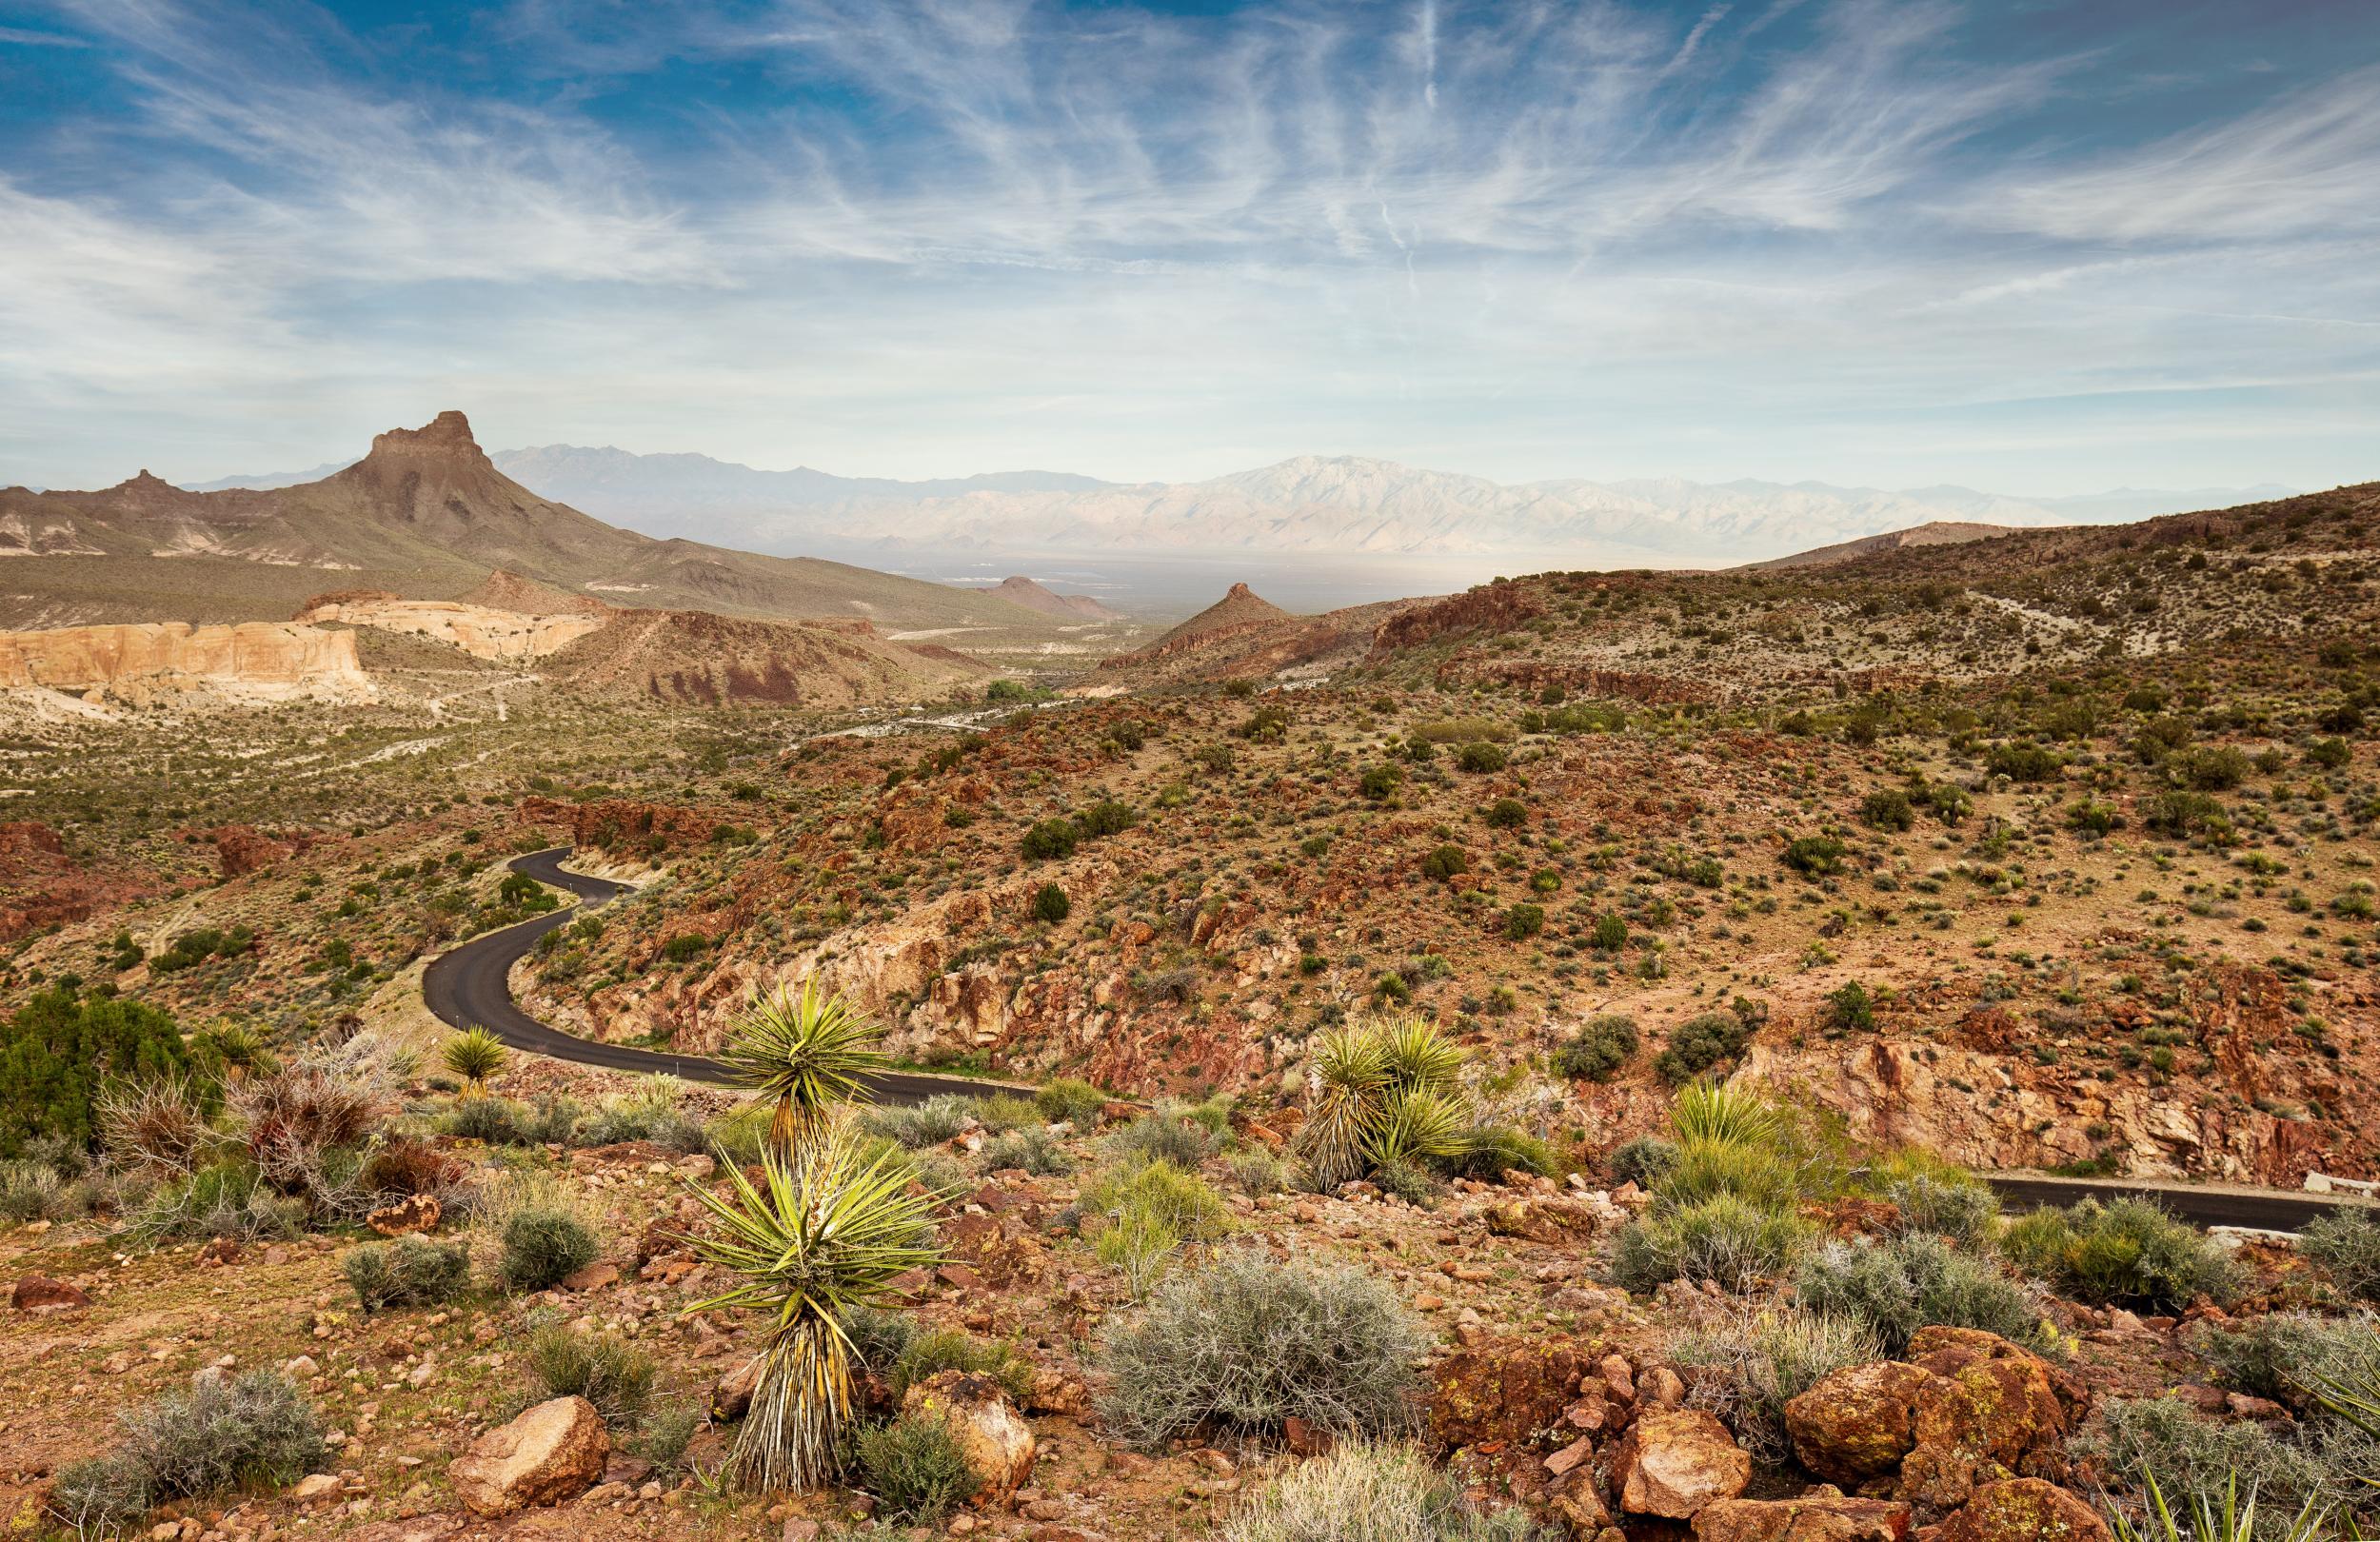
{"type": "Point", "coordinates": [2029, 247]}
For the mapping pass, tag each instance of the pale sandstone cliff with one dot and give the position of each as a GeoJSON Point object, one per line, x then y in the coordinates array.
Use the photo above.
{"type": "Point", "coordinates": [481, 632]}
{"type": "Point", "coordinates": [251, 662]}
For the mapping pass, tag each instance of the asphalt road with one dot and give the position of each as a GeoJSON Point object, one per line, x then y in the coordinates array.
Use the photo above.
{"type": "Point", "coordinates": [469, 986]}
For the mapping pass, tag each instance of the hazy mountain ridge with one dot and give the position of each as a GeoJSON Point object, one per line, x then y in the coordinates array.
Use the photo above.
{"type": "Point", "coordinates": [1307, 504]}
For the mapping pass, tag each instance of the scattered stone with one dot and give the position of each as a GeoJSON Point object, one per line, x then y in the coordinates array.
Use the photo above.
{"type": "Point", "coordinates": [412, 1214]}
{"type": "Point", "coordinates": [593, 1277]}
{"type": "Point", "coordinates": [1858, 1423]}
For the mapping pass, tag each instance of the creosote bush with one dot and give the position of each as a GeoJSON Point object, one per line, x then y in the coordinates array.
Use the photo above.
{"type": "Point", "coordinates": [1597, 1050]}
{"type": "Point", "coordinates": [1726, 1239]}
{"type": "Point", "coordinates": [1901, 1284]}
{"type": "Point", "coordinates": [916, 1470]}
{"type": "Point", "coordinates": [2347, 1246]}
{"type": "Point", "coordinates": [412, 1271]}
{"type": "Point", "coordinates": [2128, 1250]}
{"type": "Point", "coordinates": [1247, 1342]}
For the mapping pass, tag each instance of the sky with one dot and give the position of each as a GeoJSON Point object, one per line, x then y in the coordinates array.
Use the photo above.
{"type": "Point", "coordinates": [2033, 247]}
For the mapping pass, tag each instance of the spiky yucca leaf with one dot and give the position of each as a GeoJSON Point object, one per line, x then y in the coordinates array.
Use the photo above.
{"type": "Point", "coordinates": [1723, 1116]}
{"type": "Point", "coordinates": [1419, 1057]}
{"type": "Point", "coordinates": [809, 1052]}
{"type": "Point", "coordinates": [2353, 1394]}
{"type": "Point", "coordinates": [475, 1055]}
{"type": "Point", "coordinates": [2234, 1521]}
{"type": "Point", "coordinates": [827, 1231]}
{"type": "Point", "coordinates": [1418, 1124]}
{"type": "Point", "coordinates": [1351, 1068]}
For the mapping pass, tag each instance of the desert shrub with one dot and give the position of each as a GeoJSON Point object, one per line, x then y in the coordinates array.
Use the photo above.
{"type": "Point", "coordinates": [655, 1112]}
{"type": "Point", "coordinates": [2177, 813]}
{"type": "Point", "coordinates": [931, 1353]}
{"type": "Point", "coordinates": [1180, 1201]}
{"type": "Point", "coordinates": [1524, 920]}
{"type": "Point", "coordinates": [604, 1369]}
{"type": "Point", "coordinates": [59, 1050]}
{"type": "Point", "coordinates": [1598, 1049]}
{"type": "Point", "coordinates": [1481, 756]}
{"type": "Point", "coordinates": [1034, 1149]}
{"type": "Point", "coordinates": [305, 1122]}
{"type": "Point", "coordinates": [2286, 1355]}
{"type": "Point", "coordinates": [1461, 731]}
{"type": "Point", "coordinates": [412, 1271]}
{"type": "Point", "coordinates": [1507, 813]}
{"type": "Point", "coordinates": [916, 1470]}
{"type": "Point", "coordinates": [1106, 817]}
{"type": "Point", "coordinates": [1257, 1171]}
{"type": "Point", "coordinates": [1889, 808]}
{"type": "Point", "coordinates": [1050, 840]}
{"type": "Point", "coordinates": [255, 1427]}
{"type": "Point", "coordinates": [2347, 1245]}
{"type": "Point", "coordinates": [1722, 1115]}
{"type": "Point", "coordinates": [409, 1167]}
{"type": "Point", "coordinates": [1071, 1101]}
{"type": "Point", "coordinates": [2128, 1250]}
{"type": "Point", "coordinates": [162, 1126]}
{"type": "Point", "coordinates": [1051, 904]}
{"type": "Point", "coordinates": [1644, 1161]}
{"type": "Point", "coordinates": [916, 1125]}
{"type": "Point", "coordinates": [2207, 767]}
{"type": "Point", "coordinates": [1489, 1150]}
{"type": "Point", "coordinates": [31, 1191]}
{"type": "Point", "coordinates": [1247, 1343]}
{"type": "Point", "coordinates": [1363, 1492]}
{"type": "Point", "coordinates": [1901, 1284]}
{"type": "Point", "coordinates": [1814, 854]}
{"type": "Point", "coordinates": [1700, 1043]}
{"type": "Point", "coordinates": [2024, 762]}
{"type": "Point", "coordinates": [226, 1197]}
{"type": "Point", "coordinates": [542, 1245]}
{"type": "Point", "coordinates": [1725, 1240]}
{"type": "Point", "coordinates": [2190, 1458]}
{"type": "Point", "coordinates": [1961, 1209]}
{"type": "Point", "coordinates": [1851, 1007]}
{"type": "Point", "coordinates": [1163, 1135]}
{"type": "Point", "coordinates": [105, 1497]}
{"type": "Point", "coordinates": [1745, 1369]}
{"type": "Point", "coordinates": [1706, 1169]}
{"type": "Point", "coordinates": [1003, 1112]}
{"type": "Point", "coordinates": [666, 1435]}
{"type": "Point", "coordinates": [490, 1121]}
{"type": "Point", "coordinates": [1445, 863]}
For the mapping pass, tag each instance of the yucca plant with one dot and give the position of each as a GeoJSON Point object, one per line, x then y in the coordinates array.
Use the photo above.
{"type": "Point", "coordinates": [1714, 1112]}
{"type": "Point", "coordinates": [823, 1235]}
{"type": "Point", "coordinates": [475, 1055]}
{"type": "Point", "coordinates": [2353, 1394]}
{"type": "Point", "coordinates": [1384, 1093]}
{"type": "Point", "coordinates": [2235, 1520]}
{"type": "Point", "coordinates": [809, 1052]}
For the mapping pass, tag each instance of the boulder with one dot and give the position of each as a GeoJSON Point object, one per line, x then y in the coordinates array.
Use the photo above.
{"type": "Point", "coordinates": [984, 1423]}
{"type": "Point", "coordinates": [554, 1451]}
{"type": "Point", "coordinates": [1858, 1423]}
{"type": "Point", "coordinates": [1507, 1393]}
{"type": "Point", "coordinates": [1991, 1411]}
{"type": "Point", "coordinates": [39, 1293]}
{"type": "Point", "coordinates": [1540, 1218]}
{"type": "Point", "coordinates": [731, 1395]}
{"type": "Point", "coordinates": [1673, 1462]}
{"type": "Point", "coordinates": [2023, 1510]}
{"type": "Point", "coordinates": [1826, 1516]}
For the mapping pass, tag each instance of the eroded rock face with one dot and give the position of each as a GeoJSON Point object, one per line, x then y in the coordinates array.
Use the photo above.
{"type": "Point", "coordinates": [255, 661]}
{"type": "Point", "coordinates": [478, 630]}
{"type": "Point", "coordinates": [554, 1451]}
{"type": "Point", "coordinates": [2024, 1509]}
{"type": "Point", "coordinates": [986, 1425]}
{"type": "Point", "coordinates": [1675, 1462]}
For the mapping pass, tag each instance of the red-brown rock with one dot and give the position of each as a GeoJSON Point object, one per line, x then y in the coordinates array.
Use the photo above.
{"type": "Point", "coordinates": [39, 1293]}
{"type": "Point", "coordinates": [1508, 1390]}
{"type": "Point", "coordinates": [1673, 1462]}
{"type": "Point", "coordinates": [414, 1213]}
{"type": "Point", "coordinates": [1821, 1517]}
{"type": "Point", "coordinates": [554, 1451]}
{"type": "Point", "coordinates": [986, 1425]}
{"type": "Point", "coordinates": [2024, 1509]}
{"type": "Point", "coordinates": [1858, 1423]}
{"type": "Point", "coordinates": [1992, 1411]}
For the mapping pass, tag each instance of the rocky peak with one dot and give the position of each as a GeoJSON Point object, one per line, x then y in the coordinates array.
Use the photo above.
{"type": "Point", "coordinates": [1240, 591]}
{"type": "Point", "coordinates": [446, 435]}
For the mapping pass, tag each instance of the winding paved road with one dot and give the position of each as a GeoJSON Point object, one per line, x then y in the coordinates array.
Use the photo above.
{"type": "Point", "coordinates": [469, 986]}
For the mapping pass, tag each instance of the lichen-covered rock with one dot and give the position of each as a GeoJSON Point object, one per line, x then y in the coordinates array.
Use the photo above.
{"type": "Point", "coordinates": [1673, 1462]}
{"type": "Point", "coordinates": [1858, 1423]}
{"type": "Point", "coordinates": [1991, 1411]}
{"type": "Point", "coordinates": [2023, 1510]}
{"type": "Point", "coordinates": [554, 1451]}
{"type": "Point", "coordinates": [1826, 1516]}
{"type": "Point", "coordinates": [1513, 1390]}
{"type": "Point", "coordinates": [1540, 1218]}
{"type": "Point", "coordinates": [984, 1423]}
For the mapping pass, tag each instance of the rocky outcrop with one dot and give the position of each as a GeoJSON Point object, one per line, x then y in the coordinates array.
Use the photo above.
{"type": "Point", "coordinates": [1675, 1461]}
{"type": "Point", "coordinates": [1492, 607]}
{"type": "Point", "coordinates": [478, 630]}
{"type": "Point", "coordinates": [554, 1451]}
{"type": "Point", "coordinates": [623, 826]}
{"type": "Point", "coordinates": [251, 662]}
{"type": "Point", "coordinates": [241, 849]}
{"type": "Point", "coordinates": [1824, 1516]}
{"type": "Point", "coordinates": [2024, 1509]}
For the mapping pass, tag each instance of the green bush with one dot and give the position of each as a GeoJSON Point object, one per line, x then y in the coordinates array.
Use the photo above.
{"type": "Point", "coordinates": [2284, 1356]}
{"type": "Point", "coordinates": [412, 1271]}
{"type": "Point", "coordinates": [1072, 1101]}
{"type": "Point", "coordinates": [1599, 1049]}
{"type": "Point", "coordinates": [1051, 904]}
{"type": "Point", "coordinates": [226, 1197]}
{"type": "Point", "coordinates": [1035, 1151]}
{"type": "Point", "coordinates": [1363, 1492]}
{"type": "Point", "coordinates": [2347, 1245]}
{"type": "Point", "coordinates": [105, 1497]}
{"type": "Point", "coordinates": [2190, 1458]}
{"type": "Point", "coordinates": [1481, 756]}
{"type": "Point", "coordinates": [1901, 1284]}
{"type": "Point", "coordinates": [542, 1246]}
{"type": "Point", "coordinates": [59, 1050]}
{"type": "Point", "coordinates": [1707, 1169]}
{"type": "Point", "coordinates": [490, 1121]}
{"type": "Point", "coordinates": [1050, 840]}
{"type": "Point", "coordinates": [1725, 1240]}
{"type": "Point", "coordinates": [1487, 1151]}
{"type": "Point", "coordinates": [1700, 1043]}
{"type": "Point", "coordinates": [2127, 1251]}
{"type": "Point", "coordinates": [1644, 1161]}
{"type": "Point", "coordinates": [1524, 920]}
{"type": "Point", "coordinates": [1746, 1370]}
{"type": "Point", "coordinates": [225, 1431]}
{"type": "Point", "coordinates": [1181, 1202]}
{"type": "Point", "coordinates": [931, 1353]}
{"type": "Point", "coordinates": [1507, 814]}
{"type": "Point", "coordinates": [1962, 1209]}
{"type": "Point", "coordinates": [1851, 1008]}
{"type": "Point", "coordinates": [918, 1125]}
{"type": "Point", "coordinates": [1815, 855]}
{"type": "Point", "coordinates": [1162, 1137]}
{"type": "Point", "coordinates": [916, 1470]}
{"type": "Point", "coordinates": [1247, 1343]}
{"type": "Point", "coordinates": [604, 1369]}
{"type": "Point", "coordinates": [1445, 863]}
{"type": "Point", "coordinates": [2024, 762]}
{"type": "Point", "coordinates": [1888, 809]}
